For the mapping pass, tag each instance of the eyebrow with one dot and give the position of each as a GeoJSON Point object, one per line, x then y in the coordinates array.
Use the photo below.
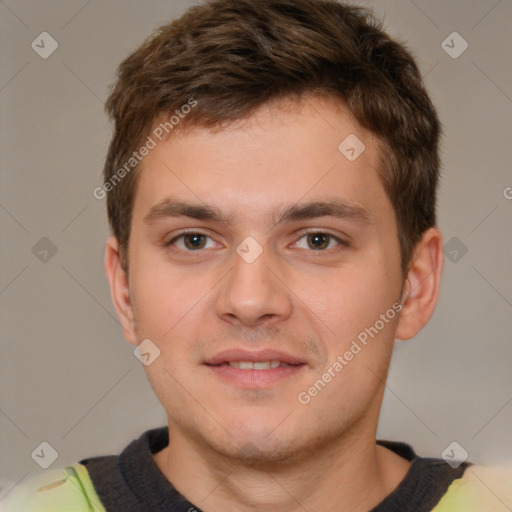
{"type": "Point", "coordinates": [331, 208]}
{"type": "Point", "coordinates": [171, 207]}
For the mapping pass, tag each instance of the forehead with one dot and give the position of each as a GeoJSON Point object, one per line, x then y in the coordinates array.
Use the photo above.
{"type": "Point", "coordinates": [282, 154]}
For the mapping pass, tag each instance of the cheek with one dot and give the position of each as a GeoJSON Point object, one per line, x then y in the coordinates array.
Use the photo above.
{"type": "Point", "coordinates": [161, 296]}
{"type": "Point", "coordinates": [349, 300]}
{"type": "Point", "coordinates": [172, 308]}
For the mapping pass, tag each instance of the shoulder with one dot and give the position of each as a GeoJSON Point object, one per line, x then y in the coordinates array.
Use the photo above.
{"type": "Point", "coordinates": [479, 488]}
{"type": "Point", "coordinates": [66, 490]}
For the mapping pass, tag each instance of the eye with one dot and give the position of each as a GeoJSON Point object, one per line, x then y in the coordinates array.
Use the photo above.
{"type": "Point", "coordinates": [317, 241]}
{"type": "Point", "coordinates": [192, 241]}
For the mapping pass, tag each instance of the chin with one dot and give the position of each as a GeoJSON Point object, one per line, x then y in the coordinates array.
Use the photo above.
{"type": "Point", "coordinates": [260, 452]}
{"type": "Point", "coordinates": [261, 444]}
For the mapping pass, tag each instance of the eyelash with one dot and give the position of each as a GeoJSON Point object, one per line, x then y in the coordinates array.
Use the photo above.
{"type": "Point", "coordinates": [337, 239]}
{"type": "Point", "coordinates": [340, 241]}
{"type": "Point", "coordinates": [183, 235]}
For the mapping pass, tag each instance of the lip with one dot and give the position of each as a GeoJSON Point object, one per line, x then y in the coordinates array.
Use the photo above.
{"type": "Point", "coordinates": [227, 356]}
{"type": "Point", "coordinates": [254, 379]}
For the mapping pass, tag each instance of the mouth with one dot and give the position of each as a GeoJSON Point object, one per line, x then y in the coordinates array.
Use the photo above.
{"type": "Point", "coordinates": [254, 370]}
{"type": "Point", "coordinates": [257, 365]}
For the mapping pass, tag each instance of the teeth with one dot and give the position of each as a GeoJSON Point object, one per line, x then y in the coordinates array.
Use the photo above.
{"type": "Point", "coordinates": [260, 365]}
{"type": "Point", "coordinates": [263, 365]}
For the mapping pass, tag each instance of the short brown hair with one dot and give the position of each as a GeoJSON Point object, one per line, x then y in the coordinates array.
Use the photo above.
{"type": "Point", "coordinates": [233, 56]}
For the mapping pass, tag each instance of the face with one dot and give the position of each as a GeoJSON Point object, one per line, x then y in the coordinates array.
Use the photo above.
{"type": "Point", "coordinates": [265, 266]}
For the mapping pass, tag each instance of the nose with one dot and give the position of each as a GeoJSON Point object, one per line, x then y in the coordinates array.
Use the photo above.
{"type": "Point", "coordinates": [252, 295]}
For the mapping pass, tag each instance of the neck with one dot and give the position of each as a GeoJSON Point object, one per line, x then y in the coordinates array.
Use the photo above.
{"type": "Point", "coordinates": [352, 474]}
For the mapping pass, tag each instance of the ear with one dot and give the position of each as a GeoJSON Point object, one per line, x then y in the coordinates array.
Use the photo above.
{"type": "Point", "coordinates": [119, 290]}
{"type": "Point", "coordinates": [421, 289]}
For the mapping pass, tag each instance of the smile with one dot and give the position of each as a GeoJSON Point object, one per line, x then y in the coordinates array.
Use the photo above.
{"type": "Point", "coordinates": [256, 365]}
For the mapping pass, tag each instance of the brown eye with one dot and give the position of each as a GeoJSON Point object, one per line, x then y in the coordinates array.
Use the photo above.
{"type": "Point", "coordinates": [191, 241]}
{"type": "Point", "coordinates": [318, 241]}
{"type": "Point", "coordinates": [194, 241]}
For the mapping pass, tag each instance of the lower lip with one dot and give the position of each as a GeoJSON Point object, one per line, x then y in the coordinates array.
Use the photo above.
{"type": "Point", "coordinates": [254, 379]}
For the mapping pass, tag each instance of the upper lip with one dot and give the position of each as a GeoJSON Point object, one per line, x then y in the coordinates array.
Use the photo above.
{"type": "Point", "coordinates": [227, 356]}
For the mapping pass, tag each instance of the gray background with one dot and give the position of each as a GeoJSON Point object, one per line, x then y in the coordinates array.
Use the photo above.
{"type": "Point", "coordinates": [67, 375]}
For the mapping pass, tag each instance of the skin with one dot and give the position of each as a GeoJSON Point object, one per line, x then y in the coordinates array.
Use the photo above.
{"type": "Point", "coordinates": [244, 448]}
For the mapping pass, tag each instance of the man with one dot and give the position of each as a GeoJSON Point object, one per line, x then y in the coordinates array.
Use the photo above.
{"type": "Point", "coordinates": [271, 188]}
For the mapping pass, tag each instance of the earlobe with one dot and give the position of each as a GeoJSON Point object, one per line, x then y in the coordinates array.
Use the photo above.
{"type": "Point", "coordinates": [421, 289]}
{"type": "Point", "coordinates": [119, 290]}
